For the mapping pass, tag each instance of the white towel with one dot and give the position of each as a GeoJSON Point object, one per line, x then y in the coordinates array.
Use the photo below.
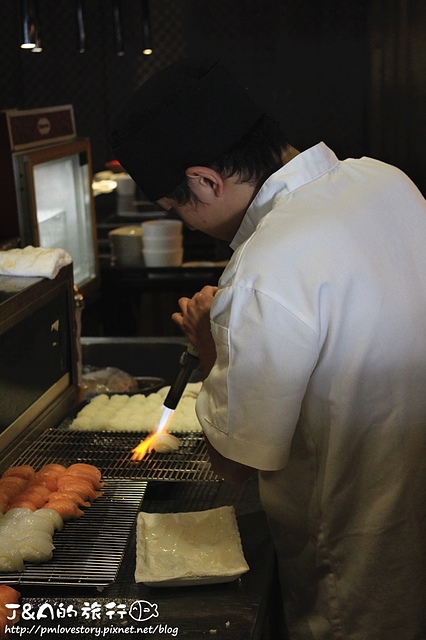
{"type": "Point", "coordinates": [33, 261]}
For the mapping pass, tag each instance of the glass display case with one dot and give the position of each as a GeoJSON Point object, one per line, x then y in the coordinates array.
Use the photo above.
{"type": "Point", "coordinates": [55, 205]}
{"type": "Point", "coordinates": [46, 184]}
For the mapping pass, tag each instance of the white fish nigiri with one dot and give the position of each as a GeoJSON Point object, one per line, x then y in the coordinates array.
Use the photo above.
{"type": "Point", "coordinates": [10, 556]}
{"type": "Point", "coordinates": [50, 515]}
{"type": "Point", "coordinates": [36, 548]}
{"type": "Point", "coordinates": [165, 443]}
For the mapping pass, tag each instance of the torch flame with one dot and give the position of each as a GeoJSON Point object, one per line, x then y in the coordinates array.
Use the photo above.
{"type": "Point", "coordinates": [148, 444]}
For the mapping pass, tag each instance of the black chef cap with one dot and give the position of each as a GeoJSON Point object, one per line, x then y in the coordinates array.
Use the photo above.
{"type": "Point", "coordinates": [186, 115]}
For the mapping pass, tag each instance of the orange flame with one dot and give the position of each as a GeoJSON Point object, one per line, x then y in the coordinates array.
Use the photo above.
{"type": "Point", "coordinates": [147, 445]}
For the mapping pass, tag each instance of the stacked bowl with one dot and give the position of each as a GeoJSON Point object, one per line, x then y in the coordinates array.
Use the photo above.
{"type": "Point", "coordinates": [126, 246]}
{"type": "Point", "coordinates": [162, 243]}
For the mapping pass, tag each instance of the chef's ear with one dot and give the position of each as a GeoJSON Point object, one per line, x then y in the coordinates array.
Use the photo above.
{"type": "Point", "coordinates": [206, 181]}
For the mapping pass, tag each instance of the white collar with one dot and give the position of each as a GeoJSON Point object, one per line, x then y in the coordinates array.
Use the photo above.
{"type": "Point", "coordinates": [303, 168]}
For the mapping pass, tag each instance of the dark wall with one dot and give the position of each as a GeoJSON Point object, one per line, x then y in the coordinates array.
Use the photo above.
{"type": "Point", "coordinates": [397, 123]}
{"type": "Point", "coordinates": [308, 62]}
{"type": "Point", "coordinates": [94, 82]}
{"type": "Point", "coordinates": [305, 61]}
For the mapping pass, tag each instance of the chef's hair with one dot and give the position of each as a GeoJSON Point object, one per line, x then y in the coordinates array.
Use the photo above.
{"type": "Point", "coordinates": [255, 157]}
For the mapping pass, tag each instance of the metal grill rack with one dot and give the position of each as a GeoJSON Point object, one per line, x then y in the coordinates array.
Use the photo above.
{"type": "Point", "coordinates": [111, 452]}
{"type": "Point", "coordinates": [89, 551]}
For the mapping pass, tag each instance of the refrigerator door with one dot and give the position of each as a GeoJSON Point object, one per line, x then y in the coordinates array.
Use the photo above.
{"type": "Point", "coordinates": [56, 204]}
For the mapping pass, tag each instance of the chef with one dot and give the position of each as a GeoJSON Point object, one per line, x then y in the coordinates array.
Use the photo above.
{"type": "Point", "coordinates": [313, 345]}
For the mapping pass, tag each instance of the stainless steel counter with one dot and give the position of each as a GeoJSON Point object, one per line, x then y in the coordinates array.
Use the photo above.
{"type": "Point", "coordinates": [247, 608]}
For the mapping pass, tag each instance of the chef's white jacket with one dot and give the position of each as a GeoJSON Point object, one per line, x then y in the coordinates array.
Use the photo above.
{"type": "Point", "coordinates": [320, 383]}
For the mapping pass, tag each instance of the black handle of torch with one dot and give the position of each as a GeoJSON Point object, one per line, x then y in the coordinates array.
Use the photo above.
{"type": "Point", "coordinates": [188, 362]}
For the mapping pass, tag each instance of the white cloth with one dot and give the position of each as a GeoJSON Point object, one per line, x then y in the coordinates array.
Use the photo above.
{"type": "Point", "coordinates": [320, 382]}
{"type": "Point", "coordinates": [33, 261]}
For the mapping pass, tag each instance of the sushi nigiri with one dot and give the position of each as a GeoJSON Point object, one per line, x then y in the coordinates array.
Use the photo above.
{"type": "Point", "coordinates": [10, 556]}
{"type": "Point", "coordinates": [52, 516]}
{"type": "Point", "coordinates": [15, 515]}
{"type": "Point", "coordinates": [165, 443]}
{"type": "Point", "coordinates": [75, 497]}
{"type": "Point", "coordinates": [87, 472]}
{"type": "Point", "coordinates": [11, 486]}
{"type": "Point", "coordinates": [35, 523]}
{"type": "Point", "coordinates": [37, 498]}
{"type": "Point", "coordinates": [80, 486]}
{"type": "Point", "coordinates": [36, 548]}
{"type": "Point", "coordinates": [48, 479]}
{"type": "Point", "coordinates": [23, 503]}
{"type": "Point", "coordinates": [53, 466]}
{"type": "Point", "coordinates": [8, 596]}
{"type": "Point", "coordinates": [66, 508]}
{"type": "Point", "coordinates": [25, 471]}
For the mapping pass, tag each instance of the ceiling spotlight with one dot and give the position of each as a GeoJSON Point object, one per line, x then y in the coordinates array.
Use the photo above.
{"type": "Point", "coordinates": [81, 27]}
{"type": "Point", "coordinates": [28, 25]}
{"type": "Point", "coordinates": [38, 46]}
{"type": "Point", "coordinates": [146, 29]}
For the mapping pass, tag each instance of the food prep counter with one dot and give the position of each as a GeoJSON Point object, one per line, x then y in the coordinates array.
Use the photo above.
{"type": "Point", "coordinates": [247, 607]}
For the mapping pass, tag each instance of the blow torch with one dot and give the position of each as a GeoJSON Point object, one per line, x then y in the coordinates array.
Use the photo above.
{"type": "Point", "coordinates": [188, 362]}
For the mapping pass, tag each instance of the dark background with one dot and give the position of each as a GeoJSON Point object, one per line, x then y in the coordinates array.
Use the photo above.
{"type": "Point", "coordinates": [350, 73]}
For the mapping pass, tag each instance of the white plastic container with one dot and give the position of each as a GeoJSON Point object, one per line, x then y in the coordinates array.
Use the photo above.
{"type": "Point", "coordinates": [126, 186]}
{"type": "Point", "coordinates": [156, 258]}
{"type": "Point", "coordinates": [169, 243]}
{"type": "Point", "coordinates": [162, 228]}
{"type": "Point", "coordinates": [126, 246]}
{"type": "Point", "coordinates": [162, 243]}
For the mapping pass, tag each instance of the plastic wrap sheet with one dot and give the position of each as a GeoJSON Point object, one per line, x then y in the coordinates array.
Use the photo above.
{"type": "Point", "coordinates": [181, 549]}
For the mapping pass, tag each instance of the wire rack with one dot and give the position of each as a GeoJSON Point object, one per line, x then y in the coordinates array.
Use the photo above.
{"type": "Point", "coordinates": [111, 452]}
{"type": "Point", "coordinates": [89, 550]}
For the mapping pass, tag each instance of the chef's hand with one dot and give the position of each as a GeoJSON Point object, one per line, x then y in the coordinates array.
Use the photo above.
{"type": "Point", "coordinates": [194, 321]}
